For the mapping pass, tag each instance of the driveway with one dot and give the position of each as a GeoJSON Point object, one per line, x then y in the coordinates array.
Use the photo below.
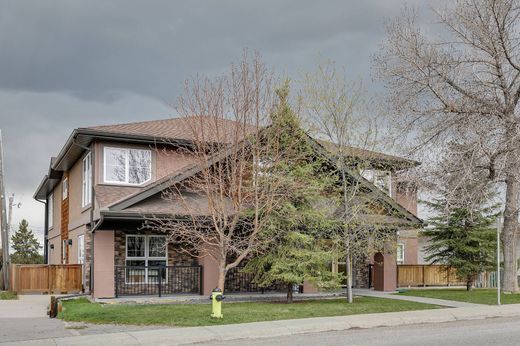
{"type": "Point", "coordinates": [26, 319]}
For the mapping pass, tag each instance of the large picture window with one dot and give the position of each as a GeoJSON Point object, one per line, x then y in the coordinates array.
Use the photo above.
{"type": "Point", "coordinates": [144, 256]}
{"type": "Point", "coordinates": [127, 166]}
{"type": "Point", "coordinates": [87, 181]}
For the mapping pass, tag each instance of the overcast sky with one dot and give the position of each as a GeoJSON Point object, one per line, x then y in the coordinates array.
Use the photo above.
{"type": "Point", "coordinates": [67, 64]}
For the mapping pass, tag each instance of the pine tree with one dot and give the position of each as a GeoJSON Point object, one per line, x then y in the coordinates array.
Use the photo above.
{"type": "Point", "coordinates": [26, 246]}
{"type": "Point", "coordinates": [462, 235]}
{"type": "Point", "coordinates": [301, 219]}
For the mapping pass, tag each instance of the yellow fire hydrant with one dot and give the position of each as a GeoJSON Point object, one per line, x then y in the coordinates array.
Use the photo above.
{"type": "Point", "coordinates": [216, 299]}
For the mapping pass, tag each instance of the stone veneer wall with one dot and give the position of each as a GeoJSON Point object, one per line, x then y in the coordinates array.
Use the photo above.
{"type": "Point", "coordinates": [184, 280]}
{"type": "Point", "coordinates": [361, 273]}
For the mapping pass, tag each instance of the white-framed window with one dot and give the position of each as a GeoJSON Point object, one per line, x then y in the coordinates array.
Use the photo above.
{"type": "Point", "coordinates": [64, 245]}
{"type": "Point", "coordinates": [381, 179]}
{"type": "Point", "coordinates": [144, 255]}
{"type": "Point", "coordinates": [65, 189]}
{"type": "Point", "coordinates": [50, 210]}
{"type": "Point", "coordinates": [400, 253]}
{"type": "Point", "coordinates": [127, 166]}
{"type": "Point", "coordinates": [81, 249]}
{"type": "Point", "coordinates": [87, 181]}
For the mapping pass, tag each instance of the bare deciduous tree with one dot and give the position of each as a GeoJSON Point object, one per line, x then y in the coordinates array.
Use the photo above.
{"type": "Point", "coordinates": [464, 84]}
{"type": "Point", "coordinates": [338, 113]}
{"type": "Point", "coordinates": [227, 202]}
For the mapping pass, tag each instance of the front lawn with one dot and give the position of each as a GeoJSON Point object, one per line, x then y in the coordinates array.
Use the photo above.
{"type": "Point", "coordinates": [6, 295]}
{"type": "Point", "coordinates": [477, 296]}
{"type": "Point", "coordinates": [198, 314]}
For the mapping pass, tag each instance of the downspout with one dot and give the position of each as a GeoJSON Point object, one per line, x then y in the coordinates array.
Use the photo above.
{"type": "Point", "coordinates": [92, 225]}
{"type": "Point", "coordinates": [45, 232]}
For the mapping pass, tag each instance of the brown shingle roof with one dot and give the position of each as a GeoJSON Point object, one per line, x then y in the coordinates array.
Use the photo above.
{"type": "Point", "coordinates": [369, 155]}
{"type": "Point", "coordinates": [210, 129]}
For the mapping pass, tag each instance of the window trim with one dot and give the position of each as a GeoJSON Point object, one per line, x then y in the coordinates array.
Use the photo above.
{"type": "Point", "coordinates": [81, 249]}
{"type": "Point", "coordinates": [127, 167]}
{"type": "Point", "coordinates": [400, 261]}
{"type": "Point", "coordinates": [86, 192]}
{"type": "Point", "coordinates": [65, 189]}
{"type": "Point", "coordinates": [50, 210]}
{"type": "Point", "coordinates": [146, 257]}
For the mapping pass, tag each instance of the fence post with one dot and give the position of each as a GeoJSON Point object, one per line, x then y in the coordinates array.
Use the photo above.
{"type": "Point", "coordinates": [201, 279]}
{"type": "Point", "coordinates": [423, 276]}
{"type": "Point", "coordinates": [160, 280]}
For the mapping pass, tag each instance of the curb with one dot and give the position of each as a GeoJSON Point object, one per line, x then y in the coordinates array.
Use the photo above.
{"type": "Point", "coordinates": [180, 336]}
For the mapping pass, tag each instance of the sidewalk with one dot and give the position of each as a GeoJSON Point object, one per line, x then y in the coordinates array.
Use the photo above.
{"type": "Point", "coordinates": [396, 296]}
{"type": "Point", "coordinates": [179, 336]}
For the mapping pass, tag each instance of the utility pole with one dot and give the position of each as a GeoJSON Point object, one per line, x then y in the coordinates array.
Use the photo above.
{"type": "Point", "coordinates": [3, 219]}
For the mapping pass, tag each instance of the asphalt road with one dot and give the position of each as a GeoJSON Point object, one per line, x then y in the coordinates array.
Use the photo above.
{"type": "Point", "coordinates": [497, 331]}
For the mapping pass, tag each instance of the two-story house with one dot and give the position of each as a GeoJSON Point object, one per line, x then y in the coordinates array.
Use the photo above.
{"type": "Point", "coordinates": [107, 179]}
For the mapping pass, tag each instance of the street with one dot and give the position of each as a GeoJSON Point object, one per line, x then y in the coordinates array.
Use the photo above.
{"type": "Point", "coordinates": [496, 331]}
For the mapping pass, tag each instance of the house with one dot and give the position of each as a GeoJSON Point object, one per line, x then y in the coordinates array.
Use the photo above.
{"type": "Point", "coordinates": [106, 179]}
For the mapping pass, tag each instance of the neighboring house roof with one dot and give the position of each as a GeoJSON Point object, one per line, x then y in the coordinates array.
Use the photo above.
{"type": "Point", "coordinates": [372, 158]}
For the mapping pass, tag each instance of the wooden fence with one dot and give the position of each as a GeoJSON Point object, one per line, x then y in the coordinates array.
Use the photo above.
{"type": "Point", "coordinates": [43, 278]}
{"type": "Point", "coordinates": [426, 275]}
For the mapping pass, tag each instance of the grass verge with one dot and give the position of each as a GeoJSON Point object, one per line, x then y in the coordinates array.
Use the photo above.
{"type": "Point", "coordinates": [184, 315]}
{"type": "Point", "coordinates": [477, 296]}
{"type": "Point", "coordinates": [6, 295]}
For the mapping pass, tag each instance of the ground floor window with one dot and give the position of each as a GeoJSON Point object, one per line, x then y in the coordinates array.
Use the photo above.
{"type": "Point", "coordinates": [146, 255]}
{"type": "Point", "coordinates": [400, 253]}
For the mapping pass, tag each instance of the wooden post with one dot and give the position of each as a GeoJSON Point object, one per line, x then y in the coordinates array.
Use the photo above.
{"type": "Point", "coordinates": [423, 276]}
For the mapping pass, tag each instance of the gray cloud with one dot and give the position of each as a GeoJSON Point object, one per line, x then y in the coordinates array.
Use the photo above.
{"type": "Point", "coordinates": [68, 63]}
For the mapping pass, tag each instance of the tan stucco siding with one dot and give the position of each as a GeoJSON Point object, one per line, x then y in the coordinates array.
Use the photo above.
{"type": "Point", "coordinates": [104, 286]}
{"type": "Point", "coordinates": [55, 253]}
{"type": "Point", "coordinates": [73, 249]}
{"type": "Point", "coordinates": [76, 210]}
{"type": "Point", "coordinates": [56, 219]}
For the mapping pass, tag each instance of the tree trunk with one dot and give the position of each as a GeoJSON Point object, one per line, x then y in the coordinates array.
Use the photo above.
{"type": "Point", "coordinates": [469, 284]}
{"type": "Point", "coordinates": [348, 265]}
{"type": "Point", "coordinates": [221, 276]}
{"type": "Point", "coordinates": [509, 233]}
{"type": "Point", "coordinates": [289, 293]}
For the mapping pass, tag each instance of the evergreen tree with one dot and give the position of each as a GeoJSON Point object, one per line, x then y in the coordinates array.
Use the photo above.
{"type": "Point", "coordinates": [302, 217]}
{"type": "Point", "coordinates": [462, 234]}
{"type": "Point", "coordinates": [26, 246]}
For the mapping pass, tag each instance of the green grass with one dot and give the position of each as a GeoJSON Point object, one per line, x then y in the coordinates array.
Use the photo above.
{"type": "Point", "coordinates": [6, 295]}
{"type": "Point", "coordinates": [477, 296]}
{"type": "Point", "coordinates": [198, 314]}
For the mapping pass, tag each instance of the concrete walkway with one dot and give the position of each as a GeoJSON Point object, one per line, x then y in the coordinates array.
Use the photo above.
{"type": "Point", "coordinates": [179, 336]}
{"type": "Point", "coordinates": [396, 296]}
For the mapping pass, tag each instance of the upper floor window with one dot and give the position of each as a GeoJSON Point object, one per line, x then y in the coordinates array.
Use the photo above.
{"type": "Point", "coordinates": [381, 179]}
{"type": "Point", "coordinates": [50, 210]}
{"type": "Point", "coordinates": [65, 188]}
{"type": "Point", "coordinates": [87, 181]}
{"type": "Point", "coordinates": [127, 166]}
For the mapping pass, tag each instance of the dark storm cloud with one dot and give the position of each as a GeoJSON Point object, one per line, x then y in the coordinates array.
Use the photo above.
{"type": "Point", "coordinates": [65, 64]}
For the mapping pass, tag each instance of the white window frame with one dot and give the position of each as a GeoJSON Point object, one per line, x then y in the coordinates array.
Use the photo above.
{"type": "Point", "coordinates": [64, 245]}
{"type": "Point", "coordinates": [65, 189]}
{"type": "Point", "coordinates": [400, 260]}
{"type": "Point", "coordinates": [127, 167]}
{"type": "Point", "coordinates": [50, 210]}
{"type": "Point", "coordinates": [86, 198]}
{"type": "Point", "coordinates": [146, 257]}
{"type": "Point", "coordinates": [81, 249]}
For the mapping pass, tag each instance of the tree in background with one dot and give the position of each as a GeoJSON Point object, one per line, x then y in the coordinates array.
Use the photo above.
{"type": "Point", "coordinates": [26, 246]}
{"type": "Point", "coordinates": [462, 233]}
{"type": "Point", "coordinates": [338, 113]}
{"type": "Point", "coordinates": [463, 82]}
{"type": "Point", "coordinates": [301, 222]}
